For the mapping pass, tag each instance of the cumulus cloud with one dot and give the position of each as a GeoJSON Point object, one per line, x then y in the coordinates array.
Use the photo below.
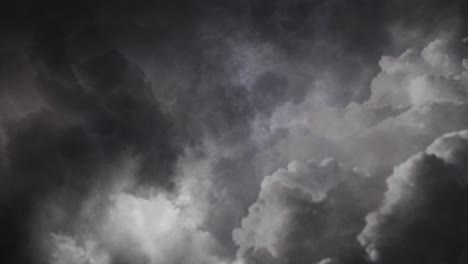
{"type": "Point", "coordinates": [306, 212]}
{"type": "Point", "coordinates": [126, 222]}
{"type": "Point", "coordinates": [422, 218]}
{"type": "Point", "coordinates": [417, 76]}
{"type": "Point", "coordinates": [152, 228]}
{"type": "Point", "coordinates": [204, 100]}
{"type": "Point", "coordinates": [158, 229]}
{"type": "Point", "coordinates": [415, 98]}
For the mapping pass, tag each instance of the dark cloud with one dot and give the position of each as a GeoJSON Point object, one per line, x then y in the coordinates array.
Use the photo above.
{"type": "Point", "coordinates": [86, 126]}
{"type": "Point", "coordinates": [86, 86]}
{"type": "Point", "coordinates": [422, 218]}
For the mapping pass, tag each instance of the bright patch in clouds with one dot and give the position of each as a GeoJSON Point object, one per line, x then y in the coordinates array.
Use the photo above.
{"type": "Point", "coordinates": [152, 229]}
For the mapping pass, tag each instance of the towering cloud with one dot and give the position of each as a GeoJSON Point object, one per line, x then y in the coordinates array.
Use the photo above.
{"type": "Point", "coordinates": [422, 217]}
{"type": "Point", "coordinates": [305, 213]}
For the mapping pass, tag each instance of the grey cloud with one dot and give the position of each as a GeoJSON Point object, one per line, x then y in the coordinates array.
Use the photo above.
{"type": "Point", "coordinates": [127, 233]}
{"type": "Point", "coordinates": [416, 97]}
{"type": "Point", "coordinates": [305, 213]}
{"type": "Point", "coordinates": [87, 86]}
{"type": "Point", "coordinates": [422, 218]}
{"type": "Point", "coordinates": [67, 145]}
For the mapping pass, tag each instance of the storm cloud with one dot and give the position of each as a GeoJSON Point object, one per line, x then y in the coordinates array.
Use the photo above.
{"type": "Point", "coordinates": [244, 132]}
{"type": "Point", "coordinates": [422, 217]}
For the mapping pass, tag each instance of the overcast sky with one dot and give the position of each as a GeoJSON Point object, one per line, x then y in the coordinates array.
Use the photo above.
{"type": "Point", "coordinates": [234, 132]}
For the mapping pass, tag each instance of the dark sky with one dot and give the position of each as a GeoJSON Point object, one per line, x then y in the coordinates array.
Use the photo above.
{"type": "Point", "coordinates": [233, 132]}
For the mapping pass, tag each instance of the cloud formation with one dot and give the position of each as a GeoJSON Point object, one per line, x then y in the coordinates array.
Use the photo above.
{"type": "Point", "coordinates": [415, 98]}
{"type": "Point", "coordinates": [307, 212]}
{"type": "Point", "coordinates": [70, 143]}
{"type": "Point", "coordinates": [422, 218]}
{"type": "Point", "coordinates": [154, 229]}
{"type": "Point", "coordinates": [147, 131]}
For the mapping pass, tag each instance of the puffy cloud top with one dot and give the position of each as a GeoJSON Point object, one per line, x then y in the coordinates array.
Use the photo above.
{"type": "Point", "coordinates": [422, 217]}
{"type": "Point", "coordinates": [300, 214]}
{"type": "Point", "coordinates": [417, 77]}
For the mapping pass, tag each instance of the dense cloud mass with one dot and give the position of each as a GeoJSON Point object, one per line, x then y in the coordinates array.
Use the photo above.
{"type": "Point", "coordinates": [228, 133]}
{"type": "Point", "coordinates": [81, 131]}
{"type": "Point", "coordinates": [128, 233]}
{"type": "Point", "coordinates": [304, 213]}
{"type": "Point", "coordinates": [422, 217]}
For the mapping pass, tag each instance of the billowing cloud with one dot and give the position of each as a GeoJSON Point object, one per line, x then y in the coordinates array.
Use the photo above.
{"type": "Point", "coordinates": [417, 77]}
{"type": "Point", "coordinates": [416, 97]}
{"type": "Point", "coordinates": [148, 228]}
{"type": "Point", "coordinates": [422, 217]}
{"type": "Point", "coordinates": [306, 212]}
{"type": "Point", "coordinates": [128, 123]}
{"type": "Point", "coordinates": [87, 123]}
{"type": "Point", "coordinates": [157, 229]}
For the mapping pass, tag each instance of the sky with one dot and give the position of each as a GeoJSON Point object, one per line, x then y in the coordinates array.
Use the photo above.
{"type": "Point", "coordinates": [234, 132]}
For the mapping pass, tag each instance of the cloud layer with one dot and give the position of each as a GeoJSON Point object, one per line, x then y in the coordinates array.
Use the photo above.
{"type": "Point", "coordinates": [181, 132]}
